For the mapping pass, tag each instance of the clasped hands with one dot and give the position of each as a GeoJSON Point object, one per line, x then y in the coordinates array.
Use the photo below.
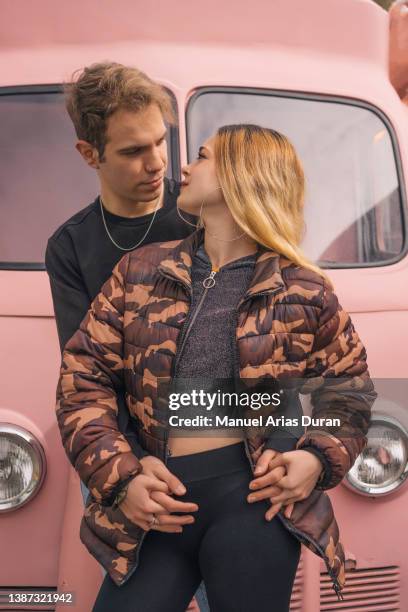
{"type": "Point", "coordinates": [283, 478]}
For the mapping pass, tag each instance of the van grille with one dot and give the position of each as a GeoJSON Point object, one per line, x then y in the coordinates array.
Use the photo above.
{"type": "Point", "coordinates": [296, 597]}
{"type": "Point", "coordinates": [374, 589]}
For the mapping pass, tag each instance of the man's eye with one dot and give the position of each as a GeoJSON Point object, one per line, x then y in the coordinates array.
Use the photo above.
{"type": "Point", "coordinates": [134, 152]}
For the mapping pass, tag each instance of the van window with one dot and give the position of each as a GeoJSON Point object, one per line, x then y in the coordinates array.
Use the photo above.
{"type": "Point", "coordinates": [43, 179]}
{"type": "Point", "coordinates": [353, 208]}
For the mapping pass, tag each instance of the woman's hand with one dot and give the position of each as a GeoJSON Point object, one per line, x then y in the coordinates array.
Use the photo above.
{"type": "Point", "coordinates": [302, 472]}
{"type": "Point", "coordinates": [150, 493]}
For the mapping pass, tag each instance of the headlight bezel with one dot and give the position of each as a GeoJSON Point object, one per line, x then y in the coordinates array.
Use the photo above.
{"type": "Point", "coordinates": [40, 466]}
{"type": "Point", "coordinates": [376, 491]}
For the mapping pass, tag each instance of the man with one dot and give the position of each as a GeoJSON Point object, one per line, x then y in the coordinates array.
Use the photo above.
{"type": "Point", "coordinates": [120, 117]}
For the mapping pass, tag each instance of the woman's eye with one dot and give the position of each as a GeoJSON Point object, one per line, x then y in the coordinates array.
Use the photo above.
{"type": "Point", "coordinates": [200, 156]}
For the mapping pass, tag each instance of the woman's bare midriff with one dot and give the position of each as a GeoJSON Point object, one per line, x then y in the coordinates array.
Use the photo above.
{"type": "Point", "coordinates": [187, 446]}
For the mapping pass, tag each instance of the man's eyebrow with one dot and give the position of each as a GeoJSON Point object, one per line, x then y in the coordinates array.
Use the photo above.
{"type": "Point", "coordinates": [140, 147]}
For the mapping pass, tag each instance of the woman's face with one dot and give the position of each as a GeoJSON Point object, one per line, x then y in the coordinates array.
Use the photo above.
{"type": "Point", "coordinates": [200, 182]}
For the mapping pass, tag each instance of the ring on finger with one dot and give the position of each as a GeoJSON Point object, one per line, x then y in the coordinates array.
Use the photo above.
{"type": "Point", "coordinates": [154, 521]}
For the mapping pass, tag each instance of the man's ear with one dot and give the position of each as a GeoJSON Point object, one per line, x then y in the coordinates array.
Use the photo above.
{"type": "Point", "coordinates": [89, 153]}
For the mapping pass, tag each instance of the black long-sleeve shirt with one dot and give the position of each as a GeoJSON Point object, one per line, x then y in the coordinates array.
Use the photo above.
{"type": "Point", "coordinates": [80, 257]}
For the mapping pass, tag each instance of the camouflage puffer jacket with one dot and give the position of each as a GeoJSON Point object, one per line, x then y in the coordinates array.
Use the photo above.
{"type": "Point", "coordinates": [290, 326]}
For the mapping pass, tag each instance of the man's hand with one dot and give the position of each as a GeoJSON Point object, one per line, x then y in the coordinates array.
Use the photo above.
{"type": "Point", "coordinates": [150, 493]}
{"type": "Point", "coordinates": [289, 477]}
{"type": "Point", "coordinates": [268, 482]}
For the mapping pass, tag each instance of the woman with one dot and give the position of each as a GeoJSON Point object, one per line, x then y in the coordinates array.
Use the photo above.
{"type": "Point", "coordinates": [235, 298]}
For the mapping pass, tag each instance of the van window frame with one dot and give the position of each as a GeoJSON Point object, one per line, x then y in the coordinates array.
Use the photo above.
{"type": "Point", "coordinates": [55, 88]}
{"type": "Point", "coordinates": [326, 98]}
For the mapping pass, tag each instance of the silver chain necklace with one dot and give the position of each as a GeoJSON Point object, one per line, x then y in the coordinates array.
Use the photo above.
{"type": "Point", "coordinates": [110, 236]}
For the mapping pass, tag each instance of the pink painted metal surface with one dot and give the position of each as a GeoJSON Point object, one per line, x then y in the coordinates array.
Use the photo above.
{"type": "Point", "coordinates": [327, 47]}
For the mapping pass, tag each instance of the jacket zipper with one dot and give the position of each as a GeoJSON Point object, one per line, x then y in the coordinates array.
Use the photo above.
{"type": "Point", "coordinates": [181, 341]}
{"type": "Point", "coordinates": [190, 325]}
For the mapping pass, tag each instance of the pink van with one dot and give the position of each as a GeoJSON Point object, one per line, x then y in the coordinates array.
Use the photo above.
{"type": "Point", "coordinates": [318, 72]}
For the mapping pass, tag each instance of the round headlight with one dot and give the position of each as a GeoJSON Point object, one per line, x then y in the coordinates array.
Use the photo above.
{"type": "Point", "coordinates": [382, 466]}
{"type": "Point", "coordinates": [22, 466]}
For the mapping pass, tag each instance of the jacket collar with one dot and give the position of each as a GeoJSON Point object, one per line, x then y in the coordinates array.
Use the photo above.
{"type": "Point", "coordinates": [267, 276]}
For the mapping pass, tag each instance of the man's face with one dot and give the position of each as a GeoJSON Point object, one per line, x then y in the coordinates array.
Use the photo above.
{"type": "Point", "coordinates": [135, 157]}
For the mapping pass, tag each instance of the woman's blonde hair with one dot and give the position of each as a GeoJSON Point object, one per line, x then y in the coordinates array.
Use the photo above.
{"type": "Point", "coordinates": [263, 184]}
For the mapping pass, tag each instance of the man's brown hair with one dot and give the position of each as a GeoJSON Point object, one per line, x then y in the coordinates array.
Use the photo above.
{"type": "Point", "coordinates": [99, 90]}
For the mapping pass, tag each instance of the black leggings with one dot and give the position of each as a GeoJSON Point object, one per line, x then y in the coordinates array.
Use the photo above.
{"type": "Point", "coordinates": [246, 562]}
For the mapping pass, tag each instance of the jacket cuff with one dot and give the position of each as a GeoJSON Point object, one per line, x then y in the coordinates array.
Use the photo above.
{"type": "Point", "coordinates": [332, 452]}
{"type": "Point", "coordinates": [325, 476]}
{"type": "Point", "coordinates": [121, 494]}
{"type": "Point", "coordinates": [105, 483]}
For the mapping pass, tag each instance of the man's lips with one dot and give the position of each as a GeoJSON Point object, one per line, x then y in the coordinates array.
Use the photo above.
{"type": "Point", "coordinates": [158, 180]}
